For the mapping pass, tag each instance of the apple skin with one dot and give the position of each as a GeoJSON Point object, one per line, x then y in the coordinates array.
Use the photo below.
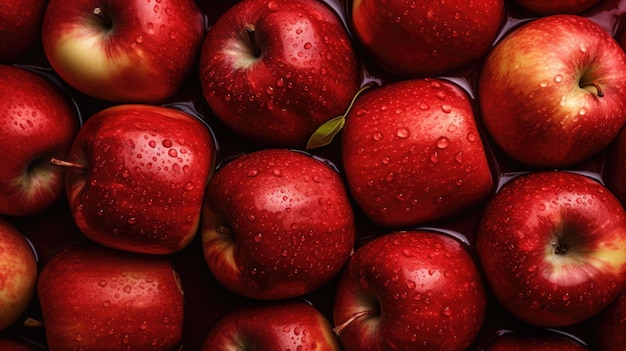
{"type": "Point", "coordinates": [554, 7]}
{"type": "Point", "coordinates": [538, 95]}
{"type": "Point", "coordinates": [18, 274]}
{"type": "Point", "coordinates": [535, 341]}
{"type": "Point", "coordinates": [298, 72]}
{"type": "Point", "coordinates": [136, 51]}
{"type": "Point", "coordinates": [21, 28]}
{"type": "Point", "coordinates": [37, 121]}
{"type": "Point", "coordinates": [276, 223]}
{"type": "Point", "coordinates": [551, 245]}
{"type": "Point", "coordinates": [96, 298]}
{"type": "Point", "coordinates": [611, 327]}
{"type": "Point", "coordinates": [426, 38]}
{"type": "Point", "coordinates": [412, 153]}
{"type": "Point", "coordinates": [269, 326]}
{"type": "Point", "coordinates": [419, 290]}
{"type": "Point", "coordinates": [146, 168]}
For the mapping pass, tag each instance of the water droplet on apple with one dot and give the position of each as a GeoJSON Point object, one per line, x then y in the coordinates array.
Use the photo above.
{"type": "Point", "coordinates": [277, 172]}
{"type": "Point", "coordinates": [582, 111]}
{"type": "Point", "coordinates": [173, 34]}
{"type": "Point", "coordinates": [132, 220]}
{"type": "Point", "coordinates": [166, 143]}
{"type": "Point", "coordinates": [434, 157]}
{"type": "Point", "coordinates": [423, 106]}
{"type": "Point", "coordinates": [543, 84]}
{"type": "Point", "coordinates": [308, 45]}
{"type": "Point", "coordinates": [446, 312]}
{"type": "Point", "coordinates": [582, 47]}
{"type": "Point", "coordinates": [443, 142]}
{"type": "Point", "coordinates": [172, 153]}
{"type": "Point", "coordinates": [139, 39]}
{"type": "Point", "coordinates": [471, 136]}
{"type": "Point", "coordinates": [441, 95]}
{"type": "Point", "coordinates": [377, 136]}
{"type": "Point", "coordinates": [102, 283]}
{"type": "Point", "coordinates": [273, 6]}
{"type": "Point", "coordinates": [258, 237]}
{"type": "Point", "coordinates": [558, 78]}
{"type": "Point", "coordinates": [403, 133]}
{"type": "Point", "coordinates": [128, 289]}
{"type": "Point", "coordinates": [446, 108]}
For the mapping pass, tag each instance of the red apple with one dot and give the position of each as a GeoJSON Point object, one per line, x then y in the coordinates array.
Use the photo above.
{"type": "Point", "coordinates": [611, 327]}
{"type": "Point", "coordinates": [280, 325]}
{"type": "Point", "coordinates": [553, 92]}
{"type": "Point", "coordinates": [414, 290]}
{"type": "Point", "coordinates": [37, 121]}
{"type": "Point", "coordinates": [553, 7]}
{"type": "Point", "coordinates": [539, 340]}
{"type": "Point", "coordinates": [96, 298]}
{"type": "Point", "coordinates": [426, 38]}
{"type": "Point", "coordinates": [18, 274]}
{"type": "Point", "coordinates": [274, 71]}
{"type": "Point", "coordinates": [551, 245]}
{"type": "Point", "coordinates": [123, 50]}
{"type": "Point", "coordinates": [20, 28]}
{"type": "Point", "coordinates": [276, 223]}
{"type": "Point", "coordinates": [412, 153]}
{"type": "Point", "coordinates": [138, 177]}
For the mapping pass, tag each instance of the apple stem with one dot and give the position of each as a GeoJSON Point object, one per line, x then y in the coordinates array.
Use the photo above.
{"type": "Point", "coordinates": [251, 29]}
{"type": "Point", "coordinates": [599, 90]}
{"type": "Point", "coordinates": [100, 14]}
{"type": "Point", "coordinates": [338, 329]}
{"type": "Point", "coordinates": [57, 162]}
{"type": "Point", "coordinates": [32, 322]}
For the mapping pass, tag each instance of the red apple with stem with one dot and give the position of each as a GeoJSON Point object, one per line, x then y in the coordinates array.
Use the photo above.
{"type": "Point", "coordinates": [21, 28]}
{"type": "Point", "coordinates": [18, 273]}
{"type": "Point", "coordinates": [123, 51]}
{"type": "Point", "coordinates": [276, 325]}
{"type": "Point", "coordinates": [137, 175]}
{"type": "Point", "coordinates": [551, 245]}
{"type": "Point", "coordinates": [37, 122]}
{"type": "Point", "coordinates": [554, 7]}
{"type": "Point", "coordinates": [426, 38]}
{"type": "Point", "coordinates": [553, 92]}
{"type": "Point", "coordinates": [414, 290]}
{"type": "Point", "coordinates": [274, 71]}
{"type": "Point", "coordinates": [412, 152]}
{"type": "Point", "coordinates": [276, 223]}
{"type": "Point", "coordinates": [96, 298]}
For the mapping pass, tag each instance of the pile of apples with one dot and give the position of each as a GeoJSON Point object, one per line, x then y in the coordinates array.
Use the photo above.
{"type": "Point", "coordinates": [313, 175]}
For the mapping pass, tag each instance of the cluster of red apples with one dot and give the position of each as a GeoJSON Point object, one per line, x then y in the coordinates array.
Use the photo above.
{"type": "Point", "coordinates": [313, 175]}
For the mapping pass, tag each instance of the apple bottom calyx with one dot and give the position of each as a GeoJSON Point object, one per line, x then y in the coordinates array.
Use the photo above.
{"type": "Point", "coordinates": [338, 329]}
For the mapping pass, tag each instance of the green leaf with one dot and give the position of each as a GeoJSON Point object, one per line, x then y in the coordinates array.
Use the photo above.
{"type": "Point", "coordinates": [325, 133]}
